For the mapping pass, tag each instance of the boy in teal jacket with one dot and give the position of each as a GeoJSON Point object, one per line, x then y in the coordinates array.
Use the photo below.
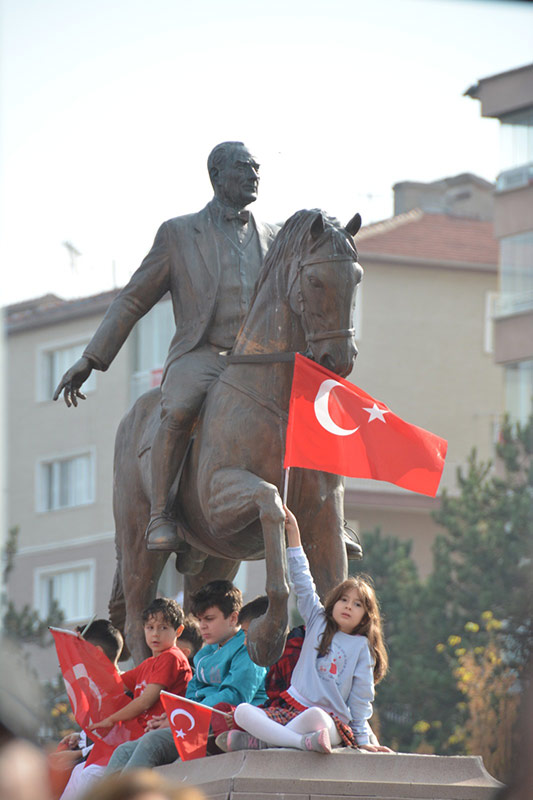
{"type": "Point", "coordinates": [224, 673]}
{"type": "Point", "coordinates": [223, 669]}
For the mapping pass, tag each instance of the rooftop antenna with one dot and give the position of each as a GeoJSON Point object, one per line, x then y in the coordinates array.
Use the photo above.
{"type": "Point", "coordinates": [73, 254]}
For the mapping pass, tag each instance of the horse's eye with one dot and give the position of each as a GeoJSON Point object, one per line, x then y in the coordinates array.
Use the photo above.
{"type": "Point", "coordinates": [315, 282]}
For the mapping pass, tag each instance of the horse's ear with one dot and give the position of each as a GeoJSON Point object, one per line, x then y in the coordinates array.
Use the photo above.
{"type": "Point", "coordinates": [354, 224]}
{"type": "Point", "coordinates": [317, 226]}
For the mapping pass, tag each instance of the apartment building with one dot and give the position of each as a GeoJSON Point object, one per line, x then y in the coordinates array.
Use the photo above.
{"type": "Point", "coordinates": [508, 97]}
{"type": "Point", "coordinates": [425, 339]}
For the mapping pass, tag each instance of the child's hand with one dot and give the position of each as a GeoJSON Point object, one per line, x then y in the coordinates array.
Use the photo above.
{"type": "Point", "coordinates": [229, 721]}
{"type": "Point", "coordinates": [154, 723]}
{"type": "Point", "coordinates": [71, 740]}
{"type": "Point", "coordinates": [108, 722]}
{"type": "Point", "coordinates": [376, 748]}
{"type": "Point", "coordinates": [291, 528]}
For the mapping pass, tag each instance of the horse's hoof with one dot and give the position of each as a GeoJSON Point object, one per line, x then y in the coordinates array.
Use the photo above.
{"type": "Point", "coordinates": [354, 551]}
{"type": "Point", "coordinates": [162, 534]}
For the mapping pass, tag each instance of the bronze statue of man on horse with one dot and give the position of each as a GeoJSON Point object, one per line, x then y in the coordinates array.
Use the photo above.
{"type": "Point", "coordinates": [218, 502]}
{"type": "Point", "coordinates": [209, 262]}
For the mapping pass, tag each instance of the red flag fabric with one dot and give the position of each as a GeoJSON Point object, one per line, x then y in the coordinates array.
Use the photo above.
{"type": "Point", "coordinates": [95, 691]}
{"type": "Point", "coordinates": [336, 427]}
{"type": "Point", "coordinates": [189, 722]}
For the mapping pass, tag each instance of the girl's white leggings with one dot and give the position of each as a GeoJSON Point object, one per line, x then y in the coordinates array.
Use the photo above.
{"type": "Point", "coordinates": [255, 721]}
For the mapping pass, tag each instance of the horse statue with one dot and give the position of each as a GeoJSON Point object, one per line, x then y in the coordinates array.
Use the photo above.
{"type": "Point", "coordinates": [227, 501]}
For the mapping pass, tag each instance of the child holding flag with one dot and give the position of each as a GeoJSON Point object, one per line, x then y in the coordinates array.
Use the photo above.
{"type": "Point", "coordinates": [224, 673]}
{"type": "Point", "coordinates": [330, 696]}
{"type": "Point", "coordinates": [167, 668]}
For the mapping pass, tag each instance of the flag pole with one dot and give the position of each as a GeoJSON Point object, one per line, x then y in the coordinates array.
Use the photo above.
{"type": "Point", "coordinates": [194, 703]}
{"type": "Point", "coordinates": [286, 486]}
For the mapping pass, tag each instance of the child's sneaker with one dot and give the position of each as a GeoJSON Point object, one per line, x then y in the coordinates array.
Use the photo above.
{"type": "Point", "coordinates": [229, 741]}
{"type": "Point", "coordinates": [318, 741]}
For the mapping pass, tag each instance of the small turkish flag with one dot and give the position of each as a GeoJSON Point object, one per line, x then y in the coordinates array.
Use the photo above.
{"type": "Point", "coordinates": [336, 427]}
{"type": "Point", "coordinates": [95, 691]}
{"type": "Point", "coordinates": [189, 722]}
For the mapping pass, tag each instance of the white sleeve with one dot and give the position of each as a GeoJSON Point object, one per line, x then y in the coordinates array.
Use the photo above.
{"type": "Point", "coordinates": [362, 695]}
{"type": "Point", "coordinates": [308, 601]}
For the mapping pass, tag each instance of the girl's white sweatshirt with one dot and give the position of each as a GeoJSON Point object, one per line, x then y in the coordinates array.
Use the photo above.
{"type": "Point", "coordinates": [341, 682]}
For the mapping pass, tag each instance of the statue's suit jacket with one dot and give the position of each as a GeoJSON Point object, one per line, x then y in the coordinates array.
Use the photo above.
{"type": "Point", "coordinates": [182, 261]}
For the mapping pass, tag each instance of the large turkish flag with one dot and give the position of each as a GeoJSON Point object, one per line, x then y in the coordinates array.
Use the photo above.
{"type": "Point", "coordinates": [95, 691]}
{"type": "Point", "coordinates": [336, 427]}
{"type": "Point", "coordinates": [189, 722]}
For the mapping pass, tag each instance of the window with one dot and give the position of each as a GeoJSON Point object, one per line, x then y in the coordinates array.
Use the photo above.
{"type": "Point", "coordinates": [516, 138]}
{"type": "Point", "coordinates": [70, 585]}
{"type": "Point", "coordinates": [153, 334]}
{"type": "Point", "coordinates": [519, 390]}
{"type": "Point", "coordinates": [54, 362]}
{"type": "Point", "coordinates": [66, 482]}
{"type": "Point", "coordinates": [516, 274]}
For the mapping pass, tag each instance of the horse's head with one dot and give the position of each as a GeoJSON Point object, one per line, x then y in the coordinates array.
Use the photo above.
{"type": "Point", "coordinates": [323, 277]}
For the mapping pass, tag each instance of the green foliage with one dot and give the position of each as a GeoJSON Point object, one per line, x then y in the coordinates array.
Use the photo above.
{"type": "Point", "coordinates": [8, 554]}
{"type": "Point", "coordinates": [483, 560]}
{"type": "Point", "coordinates": [27, 627]}
{"type": "Point", "coordinates": [24, 626]}
{"type": "Point", "coordinates": [59, 718]}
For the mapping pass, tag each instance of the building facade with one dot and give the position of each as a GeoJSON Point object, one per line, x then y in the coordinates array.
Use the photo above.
{"type": "Point", "coordinates": [425, 342]}
{"type": "Point", "coordinates": [508, 97]}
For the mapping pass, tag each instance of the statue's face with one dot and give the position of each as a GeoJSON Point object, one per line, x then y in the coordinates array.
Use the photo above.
{"type": "Point", "coordinates": [238, 181]}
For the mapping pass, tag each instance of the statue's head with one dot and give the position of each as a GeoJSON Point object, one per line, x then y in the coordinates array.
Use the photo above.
{"type": "Point", "coordinates": [234, 173]}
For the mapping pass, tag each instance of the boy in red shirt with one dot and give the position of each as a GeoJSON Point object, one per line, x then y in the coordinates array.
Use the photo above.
{"type": "Point", "coordinates": [167, 668]}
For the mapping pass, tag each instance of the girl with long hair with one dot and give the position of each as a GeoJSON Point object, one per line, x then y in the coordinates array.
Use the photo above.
{"type": "Point", "coordinates": [330, 696]}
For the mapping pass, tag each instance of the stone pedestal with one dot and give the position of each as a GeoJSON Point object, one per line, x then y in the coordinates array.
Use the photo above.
{"type": "Point", "coordinates": [294, 775]}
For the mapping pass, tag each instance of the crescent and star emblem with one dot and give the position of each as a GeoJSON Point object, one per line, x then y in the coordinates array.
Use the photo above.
{"type": "Point", "coordinates": [176, 713]}
{"type": "Point", "coordinates": [324, 417]}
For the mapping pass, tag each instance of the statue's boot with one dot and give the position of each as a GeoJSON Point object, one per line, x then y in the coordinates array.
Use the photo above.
{"type": "Point", "coordinates": [168, 451]}
{"type": "Point", "coordinates": [162, 534]}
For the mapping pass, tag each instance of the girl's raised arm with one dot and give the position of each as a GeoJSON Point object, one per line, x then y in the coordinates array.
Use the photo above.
{"type": "Point", "coordinates": [307, 600]}
{"type": "Point", "coordinates": [291, 529]}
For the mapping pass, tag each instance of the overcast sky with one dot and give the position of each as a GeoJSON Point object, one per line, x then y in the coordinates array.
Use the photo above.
{"type": "Point", "coordinates": [109, 109]}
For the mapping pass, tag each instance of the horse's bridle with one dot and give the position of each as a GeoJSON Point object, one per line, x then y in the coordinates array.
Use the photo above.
{"type": "Point", "coordinates": [269, 358]}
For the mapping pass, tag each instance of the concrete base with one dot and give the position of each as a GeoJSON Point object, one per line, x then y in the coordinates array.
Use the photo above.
{"type": "Point", "coordinates": [282, 774]}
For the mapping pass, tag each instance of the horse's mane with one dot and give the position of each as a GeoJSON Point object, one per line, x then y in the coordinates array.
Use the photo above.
{"type": "Point", "coordinates": [291, 242]}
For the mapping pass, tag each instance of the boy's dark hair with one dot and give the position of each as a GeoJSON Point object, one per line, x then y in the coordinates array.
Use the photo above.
{"type": "Point", "coordinates": [171, 611]}
{"type": "Point", "coordinates": [222, 594]}
{"type": "Point", "coordinates": [191, 634]}
{"type": "Point", "coordinates": [103, 633]}
{"type": "Point", "coordinates": [255, 608]}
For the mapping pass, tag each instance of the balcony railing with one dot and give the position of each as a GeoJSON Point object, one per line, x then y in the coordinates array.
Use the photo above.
{"type": "Point", "coordinates": [515, 178]}
{"type": "Point", "coordinates": [509, 303]}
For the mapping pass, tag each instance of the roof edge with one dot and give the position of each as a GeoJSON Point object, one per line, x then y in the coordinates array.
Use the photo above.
{"type": "Point", "coordinates": [474, 89]}
{"type": "Point", "coordinates": [434, 263]}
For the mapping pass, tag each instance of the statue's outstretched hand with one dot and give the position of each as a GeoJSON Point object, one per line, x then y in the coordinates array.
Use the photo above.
{"type": "Point", "coordinates": [72, 380]}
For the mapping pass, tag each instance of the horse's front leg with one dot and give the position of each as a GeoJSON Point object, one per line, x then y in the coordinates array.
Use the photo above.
{"type": "Point", "coordinates": [236, 499]}
{"type": "Point", "coordinates": [319, 507]}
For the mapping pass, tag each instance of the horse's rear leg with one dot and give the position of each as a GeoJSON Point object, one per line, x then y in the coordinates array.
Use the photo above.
{"type": "Point", "coordinates": [237, 497]}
